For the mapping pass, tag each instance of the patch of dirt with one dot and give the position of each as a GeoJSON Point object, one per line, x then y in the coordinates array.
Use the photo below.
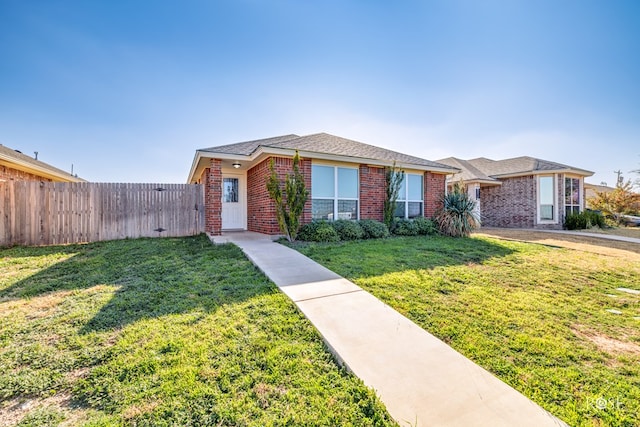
{"type": "Point", "coordinates": [134, 411]}
{"type": "Point", "coordinates": [14, 410]}
{"type": "Point", "coordinates": [607, 344]}
{"type": "Point", "coordinates": [630, 251]}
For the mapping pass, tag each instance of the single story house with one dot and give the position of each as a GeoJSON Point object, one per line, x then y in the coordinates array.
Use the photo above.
{"type": "Point", "coordinates": [592, 190]}
{"type": "Point", "coordinates": [15, 166]}
{"type": "Point", "coordinates": [522, 192]}
{"type": "Point", "coordinates": [346, 180]}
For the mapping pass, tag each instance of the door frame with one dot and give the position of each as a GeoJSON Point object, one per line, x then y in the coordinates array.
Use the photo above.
{"type": "Point", "coordinates": [242, 198]}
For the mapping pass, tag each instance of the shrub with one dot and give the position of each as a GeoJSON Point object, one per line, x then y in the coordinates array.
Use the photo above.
{"type": "Point", "coordinates": [374, 229]}
{"type": "Point", "coordinates": [318, 231]}
{"type": "Point", "coordinates": [289, 197]}
{"type": "Point", "coordinates": [425, 226]}
{"type": "Point", "coordinates": [584, 220]}
{"type": "Point", "coordinates": [458, 216]}
{"type": "Point", "coordinates": [405, 227]}
{"type": "Point", "coordinates": [348, 230]}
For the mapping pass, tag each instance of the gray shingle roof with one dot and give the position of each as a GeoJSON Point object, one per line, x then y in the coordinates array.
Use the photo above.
{"type": "Point", "coordinates": [519, 165]}
{"type": "Point", "coordinates": [248, 147]}
{"type": "Point", "coordinates": [13, 155]}
{"type": "Point", "coordinates": [483, 169]}
{"type": "Point", "coordinates": [469, 172]}
{"type": "Point", "coordinates": [324, 143]}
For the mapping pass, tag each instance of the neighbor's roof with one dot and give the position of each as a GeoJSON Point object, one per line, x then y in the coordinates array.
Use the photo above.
{"type": "Point", "coordinates": [324, 143]}
{"type": "Point", "coordinates": [469, 172]}
{"type": "Point", "coordinates": [481, 169]}
{"type": "Point", "coordinates": [19, 161]}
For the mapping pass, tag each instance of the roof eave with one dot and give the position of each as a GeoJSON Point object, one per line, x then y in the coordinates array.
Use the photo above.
{"type": "Point", "coordinates": [353, 159]}
{"type": "Point", "coordinates": [571, 171]}
{"type": "Point", "coordinates": [197, 168]}
{"type": "Point", "coordinates": [476, 181]}
{"type": "Point", "coordinates": [39, 170]}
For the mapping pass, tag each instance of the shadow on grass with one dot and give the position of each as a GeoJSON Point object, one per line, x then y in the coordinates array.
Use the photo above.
{"type": "Point", "coordinates": [369, 258]}
{"type": "Point", "coordinates": [154, 277]}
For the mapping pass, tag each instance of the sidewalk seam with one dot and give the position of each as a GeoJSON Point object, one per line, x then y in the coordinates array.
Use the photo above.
{"type": "Point", "coordinates": [328, 296]}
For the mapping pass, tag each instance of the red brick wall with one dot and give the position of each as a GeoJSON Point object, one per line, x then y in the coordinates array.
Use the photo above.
{"type": "Point", "coordinates": [261, 212]}
{"type": "Point", "coordinates": [434, 186]}
{"type": "Point", "coordinates": [8, 173]}
{"type": "Point", "coordinates": [372, 192]}
{"type": "Point", "coordinates": [510, 205]}
{"type": "Point", "coordinates": [212, 180]}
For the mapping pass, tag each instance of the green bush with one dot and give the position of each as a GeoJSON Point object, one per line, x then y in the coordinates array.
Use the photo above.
{"type": "Point", "coordinates": [318, 231]}
{"type": "Point", "coordinates": [348, 230]}
{"type": "Point", "coordinates": [425, 226]}
{"type": "Point", "coordinates": [404, 227]}
{"type": "Point", "coordinates": [374, 229]}
{"type": "Point", "coordinates": [584, 220]}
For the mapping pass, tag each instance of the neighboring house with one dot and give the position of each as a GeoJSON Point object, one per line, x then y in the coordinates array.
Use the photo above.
{"type": "Point", "coordinates": [591, 190]}
{"type": "Point", "coordinates": [523, 192]}
{"type": "Point", "coordinates": [346, 180]}
{"type": "Point", "coordinates": [15, 166]}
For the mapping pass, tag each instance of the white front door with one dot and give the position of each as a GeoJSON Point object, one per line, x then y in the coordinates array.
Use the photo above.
{"type": "Point", "coordinates": [233, 203]}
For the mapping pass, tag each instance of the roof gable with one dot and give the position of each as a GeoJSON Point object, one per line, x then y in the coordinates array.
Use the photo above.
{"type": "Point", "coordinates": [468, 171]}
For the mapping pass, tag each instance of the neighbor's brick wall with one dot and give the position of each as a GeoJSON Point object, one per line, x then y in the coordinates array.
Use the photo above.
{"type": "Point", "coordinates": [511, 205]}
{"type": "Point", "coordinates": [372, 192]}
{"type": "Point", "coordinates": [212, 180]}
{"type": "Point", "coordinates": [261, 212]}
{"type": "Point", "coordinates": [8, 173]}
{"type": "Point", "coordinates": [434, 186]}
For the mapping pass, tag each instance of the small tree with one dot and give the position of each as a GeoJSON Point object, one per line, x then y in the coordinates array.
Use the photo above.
{"type": "Point", "coordinates": [614, 204]}
{"type": "Point", "coordinates": [290, 203]}
{"type": "Point", "coordinates": [458, 216]}
{"type": "Point", "coordinates": [393, 180]}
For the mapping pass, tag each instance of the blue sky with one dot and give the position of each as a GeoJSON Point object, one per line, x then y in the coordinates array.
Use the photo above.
{"type": "Point", "coordinates": [126, 91]}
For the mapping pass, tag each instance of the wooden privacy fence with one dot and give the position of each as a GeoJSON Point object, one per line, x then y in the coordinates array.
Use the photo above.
{"type": "Point", "coordinates": [50, 213]}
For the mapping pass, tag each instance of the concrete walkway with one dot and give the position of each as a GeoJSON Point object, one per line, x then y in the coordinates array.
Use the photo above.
{"type": "Point", "coordinates": [421, 380]}
{"type": "Point", "coordinates": [597, 235]}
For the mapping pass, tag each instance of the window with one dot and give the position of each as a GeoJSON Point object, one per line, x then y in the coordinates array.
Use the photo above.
{"type": "Point", "coordinates": [572, 195]}
{"type": "Point", "coordinates": [230, 190]}
{"type": "Point", "coordinates": [410, 197]}
{"type": "Point", "coordinates": [334, 192]}
{"type": "Point", "coordinates": [545, 198]}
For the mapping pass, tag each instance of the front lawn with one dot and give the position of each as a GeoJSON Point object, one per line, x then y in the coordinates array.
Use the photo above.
{"type": "Point", "coordinates": [549, 321]}
{"type": "Point", "coordinates": [162, 332]}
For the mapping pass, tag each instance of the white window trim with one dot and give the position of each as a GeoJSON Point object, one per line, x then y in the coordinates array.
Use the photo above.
{"type": "Point", "coordinates": [335, 190]}
{"type": "Point", "coordinates": [580, 190]}
{"type": "Point", "coordinates": [555, 200]}
{"type": "Point", "coordinates": [406, 200]}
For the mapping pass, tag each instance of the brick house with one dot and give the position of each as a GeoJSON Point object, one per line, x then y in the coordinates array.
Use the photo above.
{"type": "Point", "coordinates": [15, 166]}
{"type": "Point", "coordinates": [345, 179]}
{"type": "Point", "coordinates": [523, 192]}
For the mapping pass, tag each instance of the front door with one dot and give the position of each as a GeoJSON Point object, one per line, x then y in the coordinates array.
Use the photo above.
{"type": "Point", "coordinates": [233, 205]}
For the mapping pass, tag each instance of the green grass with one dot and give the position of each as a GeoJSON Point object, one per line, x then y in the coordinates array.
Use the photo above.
{"type": "Point", "coordinates": [162, 332]}
{"type": "Point", "coordinates": [535, 316]}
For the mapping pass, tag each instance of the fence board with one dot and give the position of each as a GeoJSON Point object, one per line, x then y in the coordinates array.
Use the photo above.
{"type": "Point", "coordinates": [46, 213]}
